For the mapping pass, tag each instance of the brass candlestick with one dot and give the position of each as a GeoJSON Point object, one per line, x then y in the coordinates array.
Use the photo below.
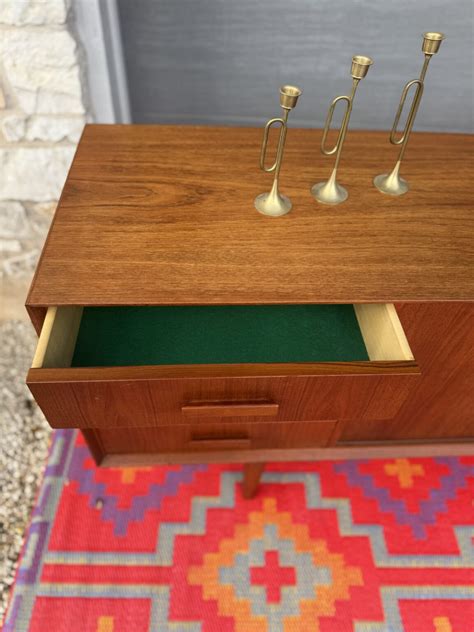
{"type": "Point", "coordinates": [330, 192]}
{"type": "Point", "coordinates": [392, 183]}
{"type": "Point", "coordinates": [273, 203]}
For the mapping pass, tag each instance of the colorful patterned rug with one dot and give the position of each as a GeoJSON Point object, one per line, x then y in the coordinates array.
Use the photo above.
{"type": "Point", "coordinates": [369, 545]}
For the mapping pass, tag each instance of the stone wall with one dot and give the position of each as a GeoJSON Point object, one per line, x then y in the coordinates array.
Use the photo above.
{"type": "Point", "coordinates": [43, 108]}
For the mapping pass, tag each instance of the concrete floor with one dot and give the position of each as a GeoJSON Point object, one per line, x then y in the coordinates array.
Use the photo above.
{"type": "Point", "coordinates": [24, 433]}
{"type": "Point", "coordinates": [13, 294]}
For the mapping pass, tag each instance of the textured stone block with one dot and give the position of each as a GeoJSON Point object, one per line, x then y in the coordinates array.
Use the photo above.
{"type": "Point", "coordinates": [35, 12]}
{"type": "Point", "coordinates": [9, 246]}
{"type": "Point", "coordinates": [42, 68]}
{"type": "Point", "coordinates": [46, 209]}
{"type": "Point", "coordinates": [54, 129]}
{"type": "Point", "coordinates": [34, 173]}
{"type": "Point", "coordinates": [20, 265]}
{"type": "Point", "coordinates": [13, 127]}
{"type": "Point", "coordinates": [16, 127]}
{"type": "Point", "coordinates": [13, 220]}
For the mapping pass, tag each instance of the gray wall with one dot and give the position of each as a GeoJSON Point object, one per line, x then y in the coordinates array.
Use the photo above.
{"type": "Point", "coordinates": [222, 61]}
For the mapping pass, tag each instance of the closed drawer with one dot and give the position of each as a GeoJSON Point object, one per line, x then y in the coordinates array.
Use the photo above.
{"type": "Point", "coordinates": [145, 367]}
{"type": "Point", "coordinates": [215, 437]}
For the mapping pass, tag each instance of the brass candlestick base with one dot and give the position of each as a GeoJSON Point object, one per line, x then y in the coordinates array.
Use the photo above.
{"type": "Point", "coordinates": [329, 192]}
{"type": "Point", "coordinates": [391, 183]}
{"type": "Point", "coordinates": [273, 204]}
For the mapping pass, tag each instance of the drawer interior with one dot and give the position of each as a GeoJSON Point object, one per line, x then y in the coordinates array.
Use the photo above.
{"type": "Point", "coordinates": [172, 335]}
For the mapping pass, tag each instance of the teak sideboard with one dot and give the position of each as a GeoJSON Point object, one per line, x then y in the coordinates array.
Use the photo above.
{"type": "Point", "coordinates": [177, 324]}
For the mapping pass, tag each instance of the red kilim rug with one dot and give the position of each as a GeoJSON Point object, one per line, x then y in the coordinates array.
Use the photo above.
{"type": "Point", "coordinates": [368, 545]}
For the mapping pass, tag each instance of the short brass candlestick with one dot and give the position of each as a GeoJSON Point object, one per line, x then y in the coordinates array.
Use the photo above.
{"type": "Point", "coordinates": [274, 203]}
{"type": "Point", "coordinates": [392, 183]}
{"type": "Point", "coordinates": [330, 192]}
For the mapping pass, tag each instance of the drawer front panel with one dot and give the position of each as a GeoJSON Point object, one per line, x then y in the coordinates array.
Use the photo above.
{"type": "Point", "coordinates": [215, 437]}
{"type": "Point", "coordinates": [109, 398]}
{"type": "Point", "coordinates": [152, 396]}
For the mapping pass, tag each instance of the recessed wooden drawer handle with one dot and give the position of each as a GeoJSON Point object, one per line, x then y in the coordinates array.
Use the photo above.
{"type": "Point", "coordinates": [230, 409]}
{"type": "Point", "coordinates": [219, 444]}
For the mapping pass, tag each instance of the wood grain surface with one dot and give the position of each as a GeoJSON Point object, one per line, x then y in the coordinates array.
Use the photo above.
{"type": "Point", "coordinates": [221, 437]}
{"type": "Point", "coordinates": [118, 397]}
{"type": "Point", "coordinates": [156, 215]}
{"type": "Point", "coordinates": [251, 480]}
{"type": "Point", "coordinates": [441, 404]}
{"type": "Point", "coordinates": [361, 451]}
{"type": "Point", "coordinates": [229, 409]}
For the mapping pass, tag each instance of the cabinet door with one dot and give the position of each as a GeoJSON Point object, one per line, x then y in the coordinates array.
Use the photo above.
{"type": "Point", "coordinates": [441, 403]}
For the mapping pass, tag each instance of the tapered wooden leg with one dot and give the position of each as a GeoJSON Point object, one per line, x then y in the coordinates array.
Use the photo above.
{"type": "Point", "coordinates": [252, 473]}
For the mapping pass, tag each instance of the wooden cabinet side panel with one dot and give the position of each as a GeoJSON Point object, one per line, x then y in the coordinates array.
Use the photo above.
{"type": "Point", "coordinates": [441, 404]}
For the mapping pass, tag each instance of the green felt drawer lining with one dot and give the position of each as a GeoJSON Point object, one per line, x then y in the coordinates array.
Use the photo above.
{"type": "Point", "coordinates": [127, 336]}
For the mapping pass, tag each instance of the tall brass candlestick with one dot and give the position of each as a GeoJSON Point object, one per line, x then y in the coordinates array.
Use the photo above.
{"type": "Point", "coordinates": [330, 192]}
{"type": "Point", "coordinates": [274, 203]}
{"type": "Point", "coordinates": [392, 183]}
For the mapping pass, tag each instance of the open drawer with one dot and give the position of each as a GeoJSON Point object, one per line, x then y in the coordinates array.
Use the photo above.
{"type": "Point", "coordinates": [125, 367]}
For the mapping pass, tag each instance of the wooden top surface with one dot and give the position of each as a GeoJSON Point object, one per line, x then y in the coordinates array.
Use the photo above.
{"type": "Point", "coordinates": [156, 215]}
